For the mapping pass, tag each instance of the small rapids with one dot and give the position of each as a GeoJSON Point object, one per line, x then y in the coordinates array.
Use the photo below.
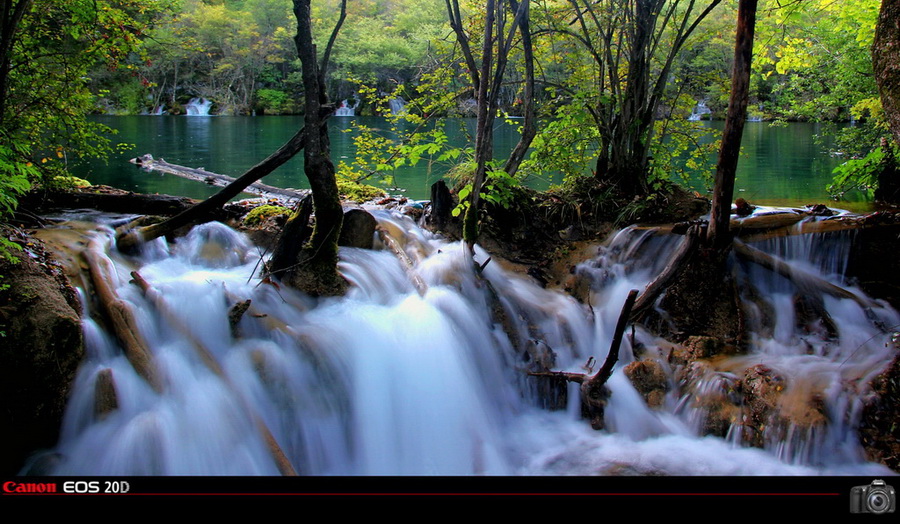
{"type": "Point", "coordinates": [390, 381]}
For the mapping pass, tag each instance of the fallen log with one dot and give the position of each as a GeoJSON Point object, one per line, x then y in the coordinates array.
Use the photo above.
{"type": "Point", "coordinates": [766, 221]}
{"type": "Point", "coordinates": [206, 356]}
{"type": "Point", "coordinates": [800, 277]}
{"type": "Point", "coordinates": [105, 198]}
{"type": "Point", "coordinates": [811, 227]}
{"type": "Point", "coordinates": [202, 212]}
{"type": "Point", "coordinates": [200, 174]}
{"type": "Point", "coordinates": [408, 265]}
{"type": "Point", "coordinates": [119, 314]}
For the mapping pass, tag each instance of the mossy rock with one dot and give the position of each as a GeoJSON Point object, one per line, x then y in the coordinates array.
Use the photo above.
{"type": "Point", "coordinates": [260, 214]}
{"type": "Point", "coordinates": [357, 192]}
{"type": "Point", "coordinates": [70, 182]}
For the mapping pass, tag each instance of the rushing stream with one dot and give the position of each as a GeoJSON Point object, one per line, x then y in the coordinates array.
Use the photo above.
{"type": "Point", "coordinates": [388, 381]}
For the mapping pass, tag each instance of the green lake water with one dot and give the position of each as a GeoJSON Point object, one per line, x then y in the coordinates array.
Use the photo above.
{"type": "Point", "coordinates": [779, 166]}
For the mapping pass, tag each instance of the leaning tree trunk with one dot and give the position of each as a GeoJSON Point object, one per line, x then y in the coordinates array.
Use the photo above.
{"type": "Point", "coordinates": [702, 300]}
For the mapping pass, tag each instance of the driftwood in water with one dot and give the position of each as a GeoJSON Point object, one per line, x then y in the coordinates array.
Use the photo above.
{"type": "Point", "coordinates": [206, 356]}
{"type": "Point", "coordinates": [797, 275]}
{"type": "Point", "coordinates": [235, 314]}
{"type": "Point", "coordinates": [659, 284]}
{"type": "Point", "coordinates": [408, 265]}
{"type": "Point", "coordinates": [593, 391]}
{"type": "Point", "coordinates": [215, 179]}
{"type": "Point", "coordinates": [119, 314]}
{"type": "Point", "coordinates": [106, 400]}
{"type": "Point", "coordinates": [202, 212]}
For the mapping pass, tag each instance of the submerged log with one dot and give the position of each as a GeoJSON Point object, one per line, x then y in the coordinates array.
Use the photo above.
{"type": "Point", "coordinates": [202, 212]}
{"type": "Point", "coordinates": [120, 316]}
{"type": "Point", "coordinates": [766, 221]}
{"type": "Point", "coordinates": [408, 264]}
{"type": "Point", "coordinates": [200, 174]}
{"type": "Point", "coordinates": [797, 275]}
{"type": "Point", "coordinates": [206, 356]}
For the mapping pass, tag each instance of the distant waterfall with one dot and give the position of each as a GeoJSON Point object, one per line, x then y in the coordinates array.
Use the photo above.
{"type": "Point", "coordinates": [198, 107]}
{"type": "Point", "coordinates": [346, 109]}
{"type": "Point", "coordinates": [398, 106]}
{"type": "Point", "coordinates": [699, 111]}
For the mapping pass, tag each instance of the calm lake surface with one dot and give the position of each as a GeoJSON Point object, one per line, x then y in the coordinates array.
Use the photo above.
{"type": "Point", "coordinates": [779, 165]}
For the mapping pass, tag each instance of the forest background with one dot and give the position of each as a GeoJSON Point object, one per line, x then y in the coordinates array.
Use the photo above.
{"type": "Point", "coordinates": [64, 60]}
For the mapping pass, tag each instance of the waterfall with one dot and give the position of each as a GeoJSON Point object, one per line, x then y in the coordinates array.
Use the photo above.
{"type": "Point", "coordinates": [346, 109]}
{"type": "Point", "coordinates": [198, 107]}
{"type": "Point", "coordinates": [397, 105]}
{"type": "Point", "coordinates": [388, 381]}
{"type": "Point", "coordinates": [699, 111]}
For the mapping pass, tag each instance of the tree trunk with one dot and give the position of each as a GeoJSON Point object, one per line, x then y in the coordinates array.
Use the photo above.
{"type": "Point", "coordinates": [315, 270]}
{"type": "Point", "coordinates": [718, 235]}
{"type": "Point", "coordinates": [886, 64]}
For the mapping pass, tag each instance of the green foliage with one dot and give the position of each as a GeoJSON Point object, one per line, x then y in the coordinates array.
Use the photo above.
{"type": "Point", "coordinates": [813, 58]}
{"type": "Point", "coordinates": [273, 101]}
{"type": "Point", "coordinates": [260, 214]}
{"type": "Point", "coordinates": [353, 190]}
{"type": "Point", "coordinates": [567, 144]}
{"type": "Point", "coordinates": [47, 98]}
{"type": "Point", "coordinates": [860, 173]}
{"type": "Point", "coordinates": [499, 189]}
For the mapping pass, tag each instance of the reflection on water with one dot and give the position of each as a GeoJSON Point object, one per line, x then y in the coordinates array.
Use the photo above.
{"type": "Point", "coordinates": [780, 165]}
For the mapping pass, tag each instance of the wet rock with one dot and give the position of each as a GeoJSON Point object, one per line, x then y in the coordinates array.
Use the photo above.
{"type": "Point", "coordinates": [106, 400]}
{"type": "Point", "coordinates": [358, 229]}
{"type": "Point", "coordinates": [42, 346]}
{"type": "Point", "coordinates": [698, 347]}
{"type": "Point", "coordinates": [819, 210]}
{"type": "Point", "coordinates": [879, 429]}
{"type": "Point", "coordinates": [649, 379]}
{"type": "Point", "coordinates": [812, 318]}
{"type": "Point", "coordinates": [761, 388]}
{"type": "Point", "coordinates": [714, 397]}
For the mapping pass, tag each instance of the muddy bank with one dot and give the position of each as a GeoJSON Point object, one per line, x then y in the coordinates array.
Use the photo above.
{"type": "Point", "coordinates": [41, 349]}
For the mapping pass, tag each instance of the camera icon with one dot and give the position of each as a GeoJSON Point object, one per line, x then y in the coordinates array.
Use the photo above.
{"type": "Point", "coordinates": [877, 497]}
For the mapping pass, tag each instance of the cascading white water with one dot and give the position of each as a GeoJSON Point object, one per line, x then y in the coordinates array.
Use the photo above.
{"type": "Point", "coordinates": [346, 109]}
{"type": "Point", "coordinates": [198, 107]}
{"type": "Point", "coordinates": [699, 111]}
{"type": "Point", "coordinates": [397, 105]}
{"type": "Point", "coordinates": [387, 381]}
